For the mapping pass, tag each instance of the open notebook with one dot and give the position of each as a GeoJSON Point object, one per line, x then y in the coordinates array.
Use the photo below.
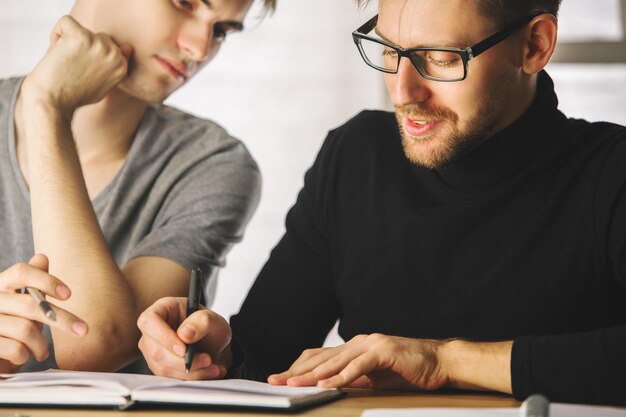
{"type": "Point", "coordinates": [54, 388]}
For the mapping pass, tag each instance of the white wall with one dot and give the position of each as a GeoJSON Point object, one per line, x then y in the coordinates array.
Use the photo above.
{"type": "Point", "coordinates": [280, 86]}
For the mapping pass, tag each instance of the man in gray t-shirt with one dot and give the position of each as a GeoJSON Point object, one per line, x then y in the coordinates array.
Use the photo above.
{"type": "Point", "coordinates": [107, 197]}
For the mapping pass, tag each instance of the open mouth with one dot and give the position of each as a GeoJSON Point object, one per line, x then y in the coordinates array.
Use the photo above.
{"type": "Point", "coordinates": [420, 128]}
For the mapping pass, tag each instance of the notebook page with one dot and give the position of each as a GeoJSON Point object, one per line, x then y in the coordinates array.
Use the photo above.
{"type": "Point", "coordinates": [238, 385]}
{"type": "Point", "coordinates": [105, 381]}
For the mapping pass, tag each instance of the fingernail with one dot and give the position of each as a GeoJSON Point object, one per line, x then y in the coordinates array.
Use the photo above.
{"type": "Point", "coordinates": [79, 328]}
{"type": "Point", "coordinates": [45, 356]}
{"type": "Point", "coordinates": [179, 349]}
{"type": "Point", "coordinates": [189, 332]}
{"type": "Point", "coordinates": [62, 291]}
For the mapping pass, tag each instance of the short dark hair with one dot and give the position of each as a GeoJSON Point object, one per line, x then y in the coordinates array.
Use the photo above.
{"type": "Point", "coordinates": [506, 12]}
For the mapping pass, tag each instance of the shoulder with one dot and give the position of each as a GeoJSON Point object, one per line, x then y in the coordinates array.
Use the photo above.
{"type": "Point", "coordinates": [9, 88]}
{"type": "Point", "coordinates": [180, 153]}
{"type": "Point", "coordinates": [9, 85]}
{"type": "Point", "coordinates": [184, 136]}
{"type": "Point", "coordinates": [600, 141]}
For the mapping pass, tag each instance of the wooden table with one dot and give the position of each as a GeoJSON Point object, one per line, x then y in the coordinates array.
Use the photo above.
{"type": "Point", "coordinates": [350, 406]}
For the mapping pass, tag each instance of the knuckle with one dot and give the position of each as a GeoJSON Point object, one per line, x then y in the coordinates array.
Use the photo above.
{"type": "Point", "coordinates": [203, 319]}
{"type": "Point", "coordinates": [140, 344]}
{"type": "Point", "coordinates": [308, 353]}
{"type": "Point", "coordinates": [358, 338]}
{"type": "Point", "coordinates": [18, 354]}
{"type": "Point", "coordinates": [380, 341]}
{"type": "Point", "coordinates": [154, 351]}
{"type": "Point", "coordinates": [20, 270]}
{"type": "Point", "coordinates": [376, 337]}
{"type": "Point", "coordinates": [142, 321]}
{"type": "Point", "coordinates": [26, 330]}
{"type": "Point", "coordinates": [158, 369]}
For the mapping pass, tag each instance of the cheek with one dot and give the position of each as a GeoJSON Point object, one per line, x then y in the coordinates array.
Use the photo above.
{"type": "Point", "coordinates": [389, 82]}
{"type": "Point", "coordinates": [155, 32]}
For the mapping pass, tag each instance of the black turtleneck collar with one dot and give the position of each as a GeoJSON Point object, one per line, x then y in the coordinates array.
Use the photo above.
{"type": "Point", "coordinates": [510, 150]}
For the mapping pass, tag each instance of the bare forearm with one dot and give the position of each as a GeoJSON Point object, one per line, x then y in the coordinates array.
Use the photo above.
{"type": "Point", "coordinates": [65, 228]}
{"type": "Point", "coordinates": [474, 365]}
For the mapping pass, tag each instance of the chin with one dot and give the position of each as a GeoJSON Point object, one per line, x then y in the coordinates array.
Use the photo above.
{"type": "Point", "coordinates": [142, 89]}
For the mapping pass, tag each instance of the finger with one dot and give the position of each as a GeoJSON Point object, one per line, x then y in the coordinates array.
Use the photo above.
{"type": "Point", "coordinates": [65, 25]}
{"type": "Point", "coordinates": [127, 50]}
{"type": "Point", "coordinates": [23, 275]}
{"type": "Point", "coordinates": [153, 324]}
{"type": "Point", "coordinates": [328, 368]}
{"type": "Point", "coordinates": [308, 360]}
{"type": "Point", "coordinates": [13, 351]}
{"type": "Point", "coordinates": [362, 382]}
{"type": "Point", "coordinates": [162, 362]}
{"type": "Point", "coordinates": [23, 305]}
{"type": "Point", "coordinates": [195, 327]}
{"type": "Point", "coordinates": [342, 357]}
{"type": "Point", "coordinates": [27, 333]}
{"type": "Point", "coordinates": [40, 261]}
{"type": "Point", "coordinates": [208, 330]}
{"type": "Point", "coordinates": [158, 353]}
{"type": "Point", "coordinates": [355, 369]}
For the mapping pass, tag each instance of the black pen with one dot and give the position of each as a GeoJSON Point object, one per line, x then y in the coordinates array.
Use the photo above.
{"type": "Point", "coordinates": [193, 302]}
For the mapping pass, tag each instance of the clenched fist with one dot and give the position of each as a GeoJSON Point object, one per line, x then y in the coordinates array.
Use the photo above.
{"type": "Point", "coordinates": [79, 68]}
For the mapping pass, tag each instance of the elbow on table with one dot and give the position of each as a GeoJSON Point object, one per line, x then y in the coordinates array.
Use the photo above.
{"type": "Point", "coordinates": [106, 348]}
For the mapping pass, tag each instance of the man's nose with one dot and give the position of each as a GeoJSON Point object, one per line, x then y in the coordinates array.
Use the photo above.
{"type": "Point", "coordinates": [195, 40]}
{"type": "Point", "coordinates": [407, 86]}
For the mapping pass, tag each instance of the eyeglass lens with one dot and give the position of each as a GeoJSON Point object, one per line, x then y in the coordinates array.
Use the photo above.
{"type": "Point", "coordinates": [438, 64]}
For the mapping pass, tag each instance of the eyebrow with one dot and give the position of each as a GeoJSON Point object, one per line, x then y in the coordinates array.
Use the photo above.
{"type": "Point", "coordinates": [420, 46]}
{"type": "Point", "coordinates": [233, 24]}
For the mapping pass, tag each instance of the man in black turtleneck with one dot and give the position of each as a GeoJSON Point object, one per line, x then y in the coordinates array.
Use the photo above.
{"type": "Point", "coordinates": [476, 239]}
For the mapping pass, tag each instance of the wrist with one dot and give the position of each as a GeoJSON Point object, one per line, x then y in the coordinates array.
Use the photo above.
{"type": "Point", "coordinates": [474, 365]}
{"type": "Point", "coordinates": [38, 102]}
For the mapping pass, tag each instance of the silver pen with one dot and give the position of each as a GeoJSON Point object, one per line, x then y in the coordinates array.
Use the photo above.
{"type": "Point", "coordinates": [535, 405]}
{"type": "Point", "coordinates": [43, 304]}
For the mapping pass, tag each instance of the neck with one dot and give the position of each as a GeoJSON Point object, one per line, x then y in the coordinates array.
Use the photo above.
{"type": "Point", "coordinates": [104, 131]}
{"type": "Point", "coordinates": [520, 101]}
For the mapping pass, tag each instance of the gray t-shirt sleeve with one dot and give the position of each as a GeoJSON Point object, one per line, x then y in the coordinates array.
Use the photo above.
{"type": "Point", "coordinates": [205, 211]}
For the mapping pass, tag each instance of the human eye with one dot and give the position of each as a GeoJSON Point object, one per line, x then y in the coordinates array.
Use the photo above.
{"type": "Point", "coordinates": [219, 34]}
{"type": "Point", "coordinates": [443, 59]}
{"type": "Point", "coordinates": [390, 52]}
{"type": "Point", "coordinates": [184, 4]}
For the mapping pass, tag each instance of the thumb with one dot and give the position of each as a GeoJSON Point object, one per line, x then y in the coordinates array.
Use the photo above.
{"type": "Point", "coordinates": [194, 327]}
{"type": "Point", "coordinates": [40, 261]}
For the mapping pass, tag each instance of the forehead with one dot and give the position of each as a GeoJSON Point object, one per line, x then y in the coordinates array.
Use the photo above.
{"type": "Point", "coordinates": [413, 23]}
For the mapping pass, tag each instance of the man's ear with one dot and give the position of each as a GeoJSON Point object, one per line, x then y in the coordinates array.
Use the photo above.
{"type": "Point", "coordinates": [539, 43]}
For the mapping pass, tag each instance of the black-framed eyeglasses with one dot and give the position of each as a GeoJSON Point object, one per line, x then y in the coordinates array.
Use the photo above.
{"type": "Point", "coordinates": [446, 64]}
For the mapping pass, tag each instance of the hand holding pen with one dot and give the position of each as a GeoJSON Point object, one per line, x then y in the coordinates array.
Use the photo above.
{"type": "Point", "coordinates": [178, 330]}
{"type": "Point", "coordinates": [21, 311]}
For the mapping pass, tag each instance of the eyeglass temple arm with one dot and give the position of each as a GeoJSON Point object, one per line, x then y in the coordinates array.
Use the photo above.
{"type": "Point", "coordinates": [368, 26]}
{"type": "Point", "coordinates": [496, 38]}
